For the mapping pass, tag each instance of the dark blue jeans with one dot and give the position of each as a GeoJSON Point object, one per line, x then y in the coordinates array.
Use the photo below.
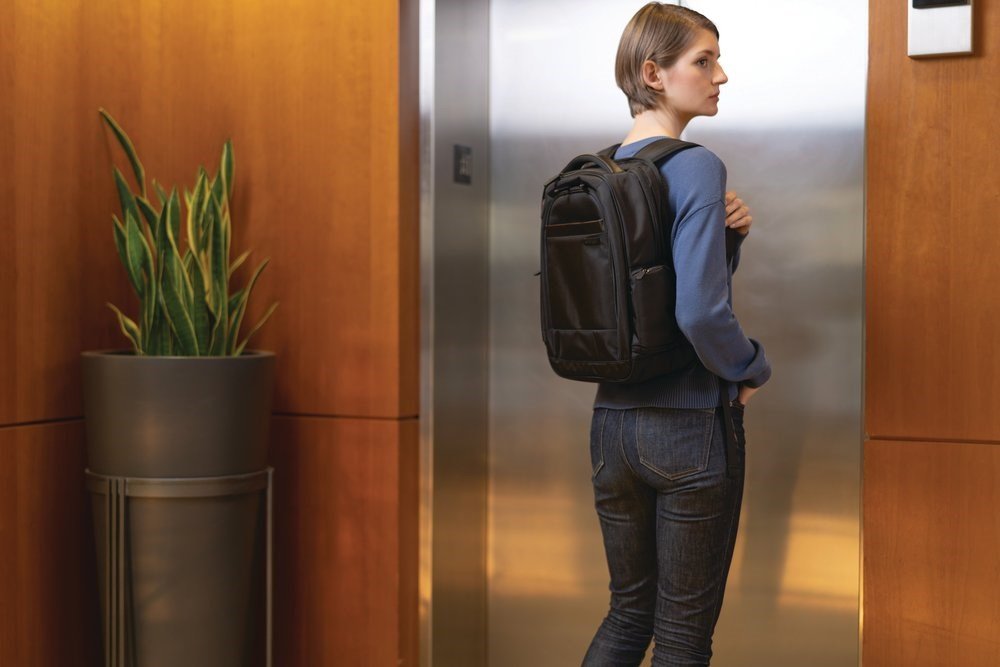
{"type": "Point", "coordinates": [669, 516]}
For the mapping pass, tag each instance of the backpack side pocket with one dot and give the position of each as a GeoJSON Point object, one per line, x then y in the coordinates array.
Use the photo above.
{"type": "Point", "coordinates": [653, 301]}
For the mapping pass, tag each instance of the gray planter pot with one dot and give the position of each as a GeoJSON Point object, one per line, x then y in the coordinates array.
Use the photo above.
{"type": "Point", "coordinates": [183, 438]}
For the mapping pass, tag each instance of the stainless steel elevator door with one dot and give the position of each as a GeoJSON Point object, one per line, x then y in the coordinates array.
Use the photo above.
{"type": "Point", "coordinates": [791, 132]}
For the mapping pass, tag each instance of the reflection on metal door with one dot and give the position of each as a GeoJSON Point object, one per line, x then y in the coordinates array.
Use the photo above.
{"type": "Point", "coordinates": [791, 132]}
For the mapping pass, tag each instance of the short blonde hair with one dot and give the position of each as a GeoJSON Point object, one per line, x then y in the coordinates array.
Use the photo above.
{"type": "Point", "coordinates": [660, 33]}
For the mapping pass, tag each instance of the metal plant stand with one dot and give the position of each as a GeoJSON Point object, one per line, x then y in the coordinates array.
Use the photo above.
{"type": "Point", "coordinates": [119, 624]}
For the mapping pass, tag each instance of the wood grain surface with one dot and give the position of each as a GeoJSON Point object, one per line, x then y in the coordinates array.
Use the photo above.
{"type": "Point", "coordinates": [320, 101]}
{"type": "Point", "coordinates": [932, 535]}
{"type": "Point", "coordinates": [345, 543]}
{"type": "Point", "coordinates": [54, 214]}
{"type": "Point", "coordinates": [931, 463]}
{"type": "Point", "coordinates": [49, 614]}
{"type": "Point", "coordinates": [932, 355]}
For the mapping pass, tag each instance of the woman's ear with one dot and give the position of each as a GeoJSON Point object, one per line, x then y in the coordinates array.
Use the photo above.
{"type": "Point", "coordinates": [651, 75]}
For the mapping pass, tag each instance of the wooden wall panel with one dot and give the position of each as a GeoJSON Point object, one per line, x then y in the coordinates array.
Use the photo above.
{"type": "Point", "coordinates": [932, 539]}
{"type": "Point", "coordinates": [346, 548]}
{"type": "Point", "coordinates": [932, 464]}
{"type": "Point", "coordinates": [319, 100]}
{"type": "Point", "coordinates": [51, 300]}
{"type": "Point", "coordinates": [933, 366]}
{"type": "Point", "coordinates": [48, 590]}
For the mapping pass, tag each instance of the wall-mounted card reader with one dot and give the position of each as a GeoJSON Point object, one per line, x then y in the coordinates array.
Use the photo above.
{"type": "Point", "coordinates": [939, 27]}
{"type": "Point", "coordinates": [927, 4]}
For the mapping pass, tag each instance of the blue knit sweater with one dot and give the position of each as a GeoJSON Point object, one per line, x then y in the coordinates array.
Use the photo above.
{"type": "Point", "coordinates": [697, 187]}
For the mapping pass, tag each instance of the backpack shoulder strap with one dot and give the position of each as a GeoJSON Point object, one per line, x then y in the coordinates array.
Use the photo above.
{"type": "Point", "coordinates": [664, 147]}
{"type": "Point", "coordinates": [661, 148]}
{"type": "Point", "coordinates": [608, 152]}
{"type": "Point", "coordinates": [657, 150]}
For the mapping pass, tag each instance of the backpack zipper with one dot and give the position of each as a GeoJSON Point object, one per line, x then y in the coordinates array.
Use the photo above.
{"type": "Point", "coordinates": [641, 273]}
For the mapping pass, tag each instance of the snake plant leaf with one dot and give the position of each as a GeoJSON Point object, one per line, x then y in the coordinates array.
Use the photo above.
{"type": "Point", "coordinates": [179, 276]}
{"type": "Point", "coordinates": [186, 308]}
{"type": "Point", "coordinates": [185, 284]}
{"type": "Point", "coordinates": [125, 196]}
{"type": "Point", "coordinates": [174, 301]}
{"type": "Point", "coordinates": [220, 282]}
{"type": "Point", "coordinates": [205, 225]}
{"type": "Point", "coordinates": [146, 245]}
{"type": "Point", "coordinates": [226, 167]}
{"type": "Point", "coordinates": [158, 338]}
{"type": "Point", "coordinates": [126, 144]}
{"type": "Point", "coordinates": [195, 213]}
{"type": "Point", "coordinates": [174, 214]}
{"type": "Point", "coordinates": [218, 344]}
{"type": "Point", "coordinates": [234, 301]}
{"type": "Point", "coordinates": [237, 306]}
{"type": "Point", "coordinates": [225, 227]}
{"type": "Point", "coordinates": [199, 309]}
{"type": "Point", "coordinates": [168, 338]}
{"type": "Point", "coordinates": [206, 200]}
{"type": "Point", "coordinates": [160, 193]}
{"type": "Point", "coordinates": [150, 214]}
{"type": "Point", "coordinates": [219, 197]}
{"type": "Point", "coordinates": [160, 229]}
{"type": "Point", "coordinates": [220, 245]}
{"type": "Point", "coordinates": [244, 296]}
{"type": "Point", "coordinates": [138, 255]}
{"type": "Point", "coordinates": [119, 231]}
{"type": "Point", "coordinates": [205, 257]}
{"type": "Point", "coordinates": [237, 263]}
{"type": "Point", "coordinates": [189, 200]}
{"type": "Point", "coordinates": [149, 312]}
{"type": "Point", "coordinates": [129, 328]}
{"type": "Point", "coordinates": [239, 349]}
{"type": "Point", "coordinates": [204, 219]}
{"type": "Point", "coordinates": [218, 188]}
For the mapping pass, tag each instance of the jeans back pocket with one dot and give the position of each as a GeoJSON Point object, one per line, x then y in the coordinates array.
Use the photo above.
{"type": "Point", "coordinates": [674, 442]}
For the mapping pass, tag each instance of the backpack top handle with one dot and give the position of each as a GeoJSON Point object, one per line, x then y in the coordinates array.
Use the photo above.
{"type": "Point", "coordinates": [605, 163]}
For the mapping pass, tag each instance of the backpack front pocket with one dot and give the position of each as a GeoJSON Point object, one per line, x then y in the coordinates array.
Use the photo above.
{"type": "Point", "coordinates": [581, 293]}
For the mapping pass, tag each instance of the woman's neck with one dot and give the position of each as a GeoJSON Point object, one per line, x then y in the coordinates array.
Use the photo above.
{"type": "Point", "coordinates": [656, 123]}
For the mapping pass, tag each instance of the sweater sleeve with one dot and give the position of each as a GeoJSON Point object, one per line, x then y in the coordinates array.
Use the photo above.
{"type": "Point", "coordinates": [735, 261]}
{"type": "Point", "coordinates": [703, 311]}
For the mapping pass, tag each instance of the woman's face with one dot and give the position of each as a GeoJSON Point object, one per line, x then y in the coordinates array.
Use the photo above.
{"type": "Point", "coordinates": [692, 83]}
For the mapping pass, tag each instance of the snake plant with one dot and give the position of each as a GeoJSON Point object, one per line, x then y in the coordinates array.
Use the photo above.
{"type": "Point", "coordinates": [186, 306]}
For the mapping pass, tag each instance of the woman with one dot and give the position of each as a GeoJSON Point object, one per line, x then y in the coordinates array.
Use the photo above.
{"type": "Point", "coordinates": [668, 511]}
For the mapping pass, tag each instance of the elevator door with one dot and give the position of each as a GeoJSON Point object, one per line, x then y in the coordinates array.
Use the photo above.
{"type": "Point", "coordinates": [791, 132]}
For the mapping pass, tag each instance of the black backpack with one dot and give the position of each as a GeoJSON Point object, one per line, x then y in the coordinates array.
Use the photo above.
{"type": "Point", "coordinates": [608, 286]}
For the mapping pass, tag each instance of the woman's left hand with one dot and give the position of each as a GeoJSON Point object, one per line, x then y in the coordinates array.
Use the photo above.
{"type": "Point", "coordinates": [737, 214]}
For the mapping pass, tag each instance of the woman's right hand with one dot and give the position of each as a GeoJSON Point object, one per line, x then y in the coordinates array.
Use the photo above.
{"type": "Point", "coordinates": [745, 393]}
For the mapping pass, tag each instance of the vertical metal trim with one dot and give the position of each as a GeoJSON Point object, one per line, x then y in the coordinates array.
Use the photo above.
{"type": "Point", "coordinates": [108, 573]}
{"type": "Point", "coordinates": [121, 567]}
{"type": "Point", "coordinates": [115, 572]}
{"type": "Point", "coordinates": [455, 231]}
{"type": "Point", "coordinates": [864, 363]}
{"type": "Point", "coordinates": [270, 587]}
{"type": "Point", "coordinates": [427, 28]}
